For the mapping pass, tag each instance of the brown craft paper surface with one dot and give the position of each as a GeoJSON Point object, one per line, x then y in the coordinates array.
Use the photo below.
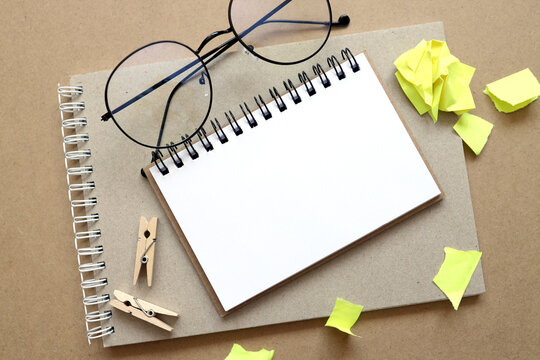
{"type": "Point", "coordinates": [45, 42]}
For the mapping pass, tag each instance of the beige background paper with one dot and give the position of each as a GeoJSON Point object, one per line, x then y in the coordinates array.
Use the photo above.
{"type": "Point", "coordinates": [43, 43]}
{"type": "Point", "coordinates": [395, 268]}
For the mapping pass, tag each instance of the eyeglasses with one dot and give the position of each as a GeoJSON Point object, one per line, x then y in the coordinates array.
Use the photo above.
{"type": "Point", "coordinates": [160, 95]}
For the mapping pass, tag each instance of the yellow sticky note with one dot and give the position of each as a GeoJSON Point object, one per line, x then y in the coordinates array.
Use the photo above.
{"type": "Point", "coordinates": [433, 79]}
{"type": "Point", "coordinates": [437, 89]}
{"type": "Point", "coordinates": [439, 50]}
{"type": "Point", "coordinates": [474, 131]}
{"type": "Point", "coordinates": [415, 55]}
{"type": "Point", "coordinates": [239, 353]}
{"type": "Point", "coordinates": [407, 63]}
{"type": "Point", "coordinates": [514, 92]}
{"type": "Point", "coordinates": [412, 94]}
{"type": "Point", "coordinates": [456, 272]}
{"type": "Point", "coordinates": [447, 60]}
{"type": "Point", "coordinates": [424, 74]}
{"type": "Point", "coordinates": [344, 315]}
{"type": "Point", "coordinates": [456, 94]}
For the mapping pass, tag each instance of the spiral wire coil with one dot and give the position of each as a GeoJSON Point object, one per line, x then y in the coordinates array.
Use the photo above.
{"type": "Point", "coordinates": [291, 91]}
{"type": "Point", "coordinates": [78, 188]}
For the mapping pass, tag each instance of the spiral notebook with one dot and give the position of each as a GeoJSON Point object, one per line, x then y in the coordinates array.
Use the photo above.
{"type": "Point", "coordinates": [296, 188]}
{"type": "Point", "coordinates": [107, 197]}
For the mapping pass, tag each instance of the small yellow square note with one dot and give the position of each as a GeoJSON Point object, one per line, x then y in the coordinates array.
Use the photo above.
{"type": "Point", "coordinates": [239, 353]}
{"type": "Point", "coordinates": [344, 316]}
{"type": "Point", "coordinates": [456, 272]}
{"type": "Point", "coordinates": [514, 92]}
{"type": "Point", "coordinates": [474, 131]}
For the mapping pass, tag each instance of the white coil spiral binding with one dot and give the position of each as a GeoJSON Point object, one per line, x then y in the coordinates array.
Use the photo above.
{"type": "Point", "coordinates": [74, 123]}
{"type": "Point", "coordinates": [96, 316]}
{"type": "Point", "coordinates": [74, 172]}
{"type": "Point", "coordinates": [86, 218]}
{"type": "Point", "coordinates": [83, 203]}
{"type": "Point", "coordinates": [90, 251]}
{"type": "Point", "coordinates": [94, 283]}
{"type": "Point", "coordinates": [92, 266]}
{"type": "Point", "coordinates": [95, 299]}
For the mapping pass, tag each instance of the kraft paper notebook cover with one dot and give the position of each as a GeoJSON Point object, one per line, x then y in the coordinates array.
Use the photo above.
{"type": "Point", "coordinates": [394, 269]}
{"type": "Point", "coordinates": [296, 189]}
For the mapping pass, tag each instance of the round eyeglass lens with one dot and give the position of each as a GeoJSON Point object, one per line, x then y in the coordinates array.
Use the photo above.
{"type": "Point", "coordinates": [159, 93]}
{"type": "Point", "coordinates": [259, 23]}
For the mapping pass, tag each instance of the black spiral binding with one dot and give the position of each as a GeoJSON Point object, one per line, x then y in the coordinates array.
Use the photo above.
{"type": "Point", "coordinates": [193, 154]}
{"type": "Point", "coordinates": [204, 140]}
{"type": "Point", "coordinates": [234, 124]}
{"type": "Point", "coordinates": [174, 156]}
{"type": "Point", "coordinates": [249, 117]}
{"type": "Point", "coordinates": [289, 86]}
{"type": "Point", "coordinates": [280, 103]}
{"type": "Point", "coordinates": [264, 109]}
{"type": "Point", "coordinates": [157, 159]}
{"type": "Point", "coordinates": [346, 53]}
{"type": "Point", "coordinates": [318, 70]}
{"type": "Point", "coordinates": [304, 78]}
{"type": "Point", "coordinates": [333, 62]}
{"type": "Point", "coordinates": [221, 135]}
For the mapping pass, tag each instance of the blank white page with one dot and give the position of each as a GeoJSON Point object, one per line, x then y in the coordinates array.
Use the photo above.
{"type": "Point", "coordinates": [297, 188]}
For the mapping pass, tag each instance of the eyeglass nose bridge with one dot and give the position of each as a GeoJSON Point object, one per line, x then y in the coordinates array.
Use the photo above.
{"type": "Point", "coordinates": [211, 37]}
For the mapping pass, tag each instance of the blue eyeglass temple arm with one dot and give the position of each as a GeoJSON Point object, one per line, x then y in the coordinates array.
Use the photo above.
{"type": "Point", "coordinates": [343, 21]}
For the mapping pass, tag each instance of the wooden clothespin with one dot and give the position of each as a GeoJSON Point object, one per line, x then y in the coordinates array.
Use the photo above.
{"type": "Point", "coordinates": [145, 249]}
{"type": "Point", "coordinates": [141, 309]}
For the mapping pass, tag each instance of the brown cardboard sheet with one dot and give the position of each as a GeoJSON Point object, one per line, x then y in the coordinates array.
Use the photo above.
{"type": "Point", "coordinates": [43, 43]}
{"type": "Point", "coordinates": [391, 266]}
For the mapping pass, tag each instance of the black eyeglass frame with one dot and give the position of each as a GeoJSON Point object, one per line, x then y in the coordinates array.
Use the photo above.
{"type": "Point", "coordinates": [204, 60]}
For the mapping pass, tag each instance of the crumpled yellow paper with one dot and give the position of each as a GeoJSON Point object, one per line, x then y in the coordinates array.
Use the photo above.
{"type": "Point", "coordinates": [344, 316]}
{"type": "Point", "coordinates": [239, 353]}
{"type": "Point", "coordinates": [433, 79]}
{"type": "Point", "coordinates": [474, 131]}
{"type": "Point", "coordinates": [514, 92]}
{"type": "Point", "coordinates": [456, 272]}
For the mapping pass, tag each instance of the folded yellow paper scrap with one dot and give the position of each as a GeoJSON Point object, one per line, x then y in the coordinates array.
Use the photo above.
{"type": "Point", "coordinates": [239, 353]}
{"type": "Point", "coordinates": [514, 92]}
{"type": "Point", "coordinates": [344, 316]}
{"type": "Point", "coordinates": [456, 272]}
{"type": "Point", "coordinates": [433, 79]}
{"type": "Point", "coordinates": [474, 131]}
